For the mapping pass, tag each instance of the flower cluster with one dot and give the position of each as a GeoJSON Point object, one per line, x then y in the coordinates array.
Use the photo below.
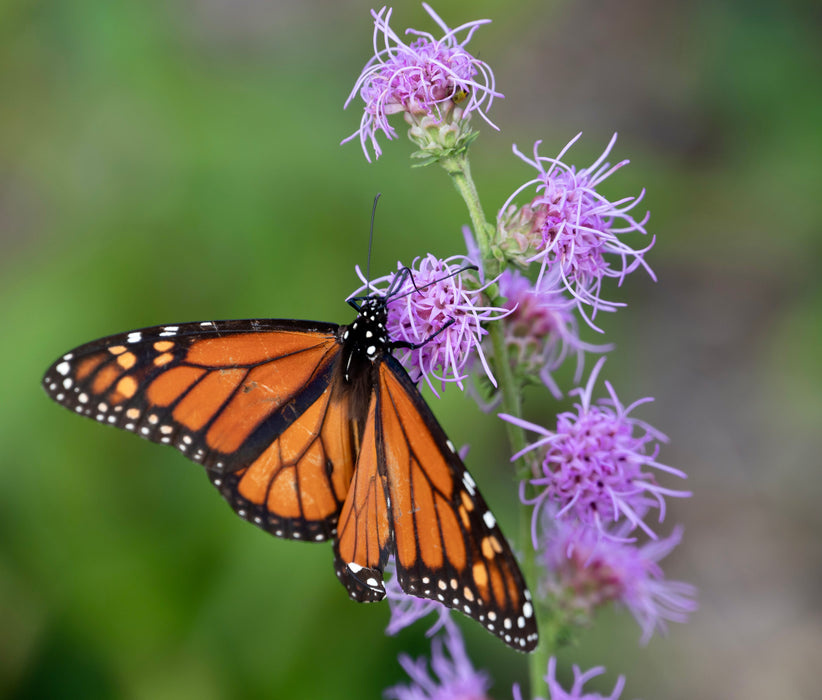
{"type": "Point", "coordinates": [455, 677]}
{"type": "Point", "coordinates": [557, 692]}
{"type": "Point", "coordinates": [594, 464]}
{"type": "Point", "coordinates": [437, 317]}
{"type": "Point", "coordinates": [435, 83]}
{"type": "Point", "coordinates": [585, 571]}
{"type": "Point", "coordinates": [572, 229]}
{"type": "Point", "coordinates": [591, 495]}
{"type": "Point", "coordinates": [512, 312]}
{"type": "Point", "coordinates": [541, 331]}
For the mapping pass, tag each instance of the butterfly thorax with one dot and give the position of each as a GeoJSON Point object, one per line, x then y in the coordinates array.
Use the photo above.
{"type": "Point", "coordinates": [364, 343]}
{"type": "Point", "coordinates": [364, 340]}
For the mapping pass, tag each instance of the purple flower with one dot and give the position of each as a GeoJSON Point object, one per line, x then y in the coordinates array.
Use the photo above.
{"type": "Point", "coordinates": [541, 330]}
{"type": "Point", "coordinates": [432, 308]}
{"type": "Point", "coordinates": [571, 228]}
{"type": "Point", "coordinates": [557, 692]}
{"type": "Point", "coordinates": [586, 570]}
{"type": "Point", "coordinates": [592, 468]}
{"type": "Point", "coordinates": [455, 678]}
{"type": "Point", "coordinates": [407, 609]}
{"type": "Point", "coordinates": [435, 83]}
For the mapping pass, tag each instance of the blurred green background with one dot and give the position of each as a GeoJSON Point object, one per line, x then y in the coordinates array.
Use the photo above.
{"type": "Point", "coordinates": [179, 160]}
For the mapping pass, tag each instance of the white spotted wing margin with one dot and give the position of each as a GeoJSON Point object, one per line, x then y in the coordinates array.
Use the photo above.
{"type": "Point", "coordinates": [445, 541]}
{"type": "Point", "coordinates": [474, 570]}
{"type": "Point", "coordinates": [152, 382]}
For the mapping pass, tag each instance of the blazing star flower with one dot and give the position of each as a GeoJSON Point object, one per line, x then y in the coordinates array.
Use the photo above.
{"type": "Point", "coordinates": [541, 330]}
{"type": "Point", "coordinates": [435, 83]}
{"type": "Point", "coordinates": [571, 228]}
{"type": "Point", "coordinates": [456, 678]}
{"type": "Point", "coordinates": [586, 571]}
{"type": "Point", "coordinates": [593, 464]}
{"type": "Point", "coordinates": [557, 692]}
{"type": "Point", "coordinates": [431, 308]}
{"type": "Point", "coordinates": [407, 609]}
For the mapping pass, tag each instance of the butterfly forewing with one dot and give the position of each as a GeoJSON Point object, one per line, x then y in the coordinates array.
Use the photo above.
{"type": "Point", "coordinates": [250, 400]}
{"type": "Point", "coordinates": [449, 547]}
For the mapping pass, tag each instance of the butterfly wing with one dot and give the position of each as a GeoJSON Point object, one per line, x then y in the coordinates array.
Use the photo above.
{"type": "Point", "coordinates": [252, 401]}
{"type": "Point", "coordinates": [364, 537]}
{"type": "Point", "coordinates": [448, 545]}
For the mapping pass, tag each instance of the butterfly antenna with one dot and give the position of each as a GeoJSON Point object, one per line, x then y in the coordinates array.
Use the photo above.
{"type": "Point", "coordinates": [371, 241]}
{"type": "Point", "coordinates": [406, 273]}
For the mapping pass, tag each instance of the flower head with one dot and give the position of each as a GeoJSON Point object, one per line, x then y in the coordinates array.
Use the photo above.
{"type": "Point", "coordinates": [436, 318]}
{"type": "Point", "coordinates": [541, 330]}
{"type": "Point", "coordinates": [593, 466]}
{"type": "Point", "coordinates": [557, 692]}
{"type": "Point", "coordinates": [586, 571]}
{"type": "Point", "coordinates": [455, 677]}
{"type": "Point", "coordinates": [435, 83]}
{"type": "Point", "coordinates": [573, 229]}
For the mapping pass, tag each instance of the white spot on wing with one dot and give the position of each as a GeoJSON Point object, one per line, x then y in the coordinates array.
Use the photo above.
{"type": "Point", "coordinates": [488, 517]}
{"type": "Point", "coordinates": [63, 368]}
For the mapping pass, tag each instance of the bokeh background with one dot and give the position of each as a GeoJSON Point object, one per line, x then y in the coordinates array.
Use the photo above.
{"type": "Point", "coordinates": [179, 160]}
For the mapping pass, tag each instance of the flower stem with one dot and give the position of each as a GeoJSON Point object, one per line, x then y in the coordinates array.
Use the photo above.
{"type": "Point", "coordinates": [457, 166]}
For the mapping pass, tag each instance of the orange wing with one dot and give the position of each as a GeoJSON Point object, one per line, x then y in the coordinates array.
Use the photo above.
{"type": "Point", "coordinates": [252, 401]}
{"type": "Point", "coordinates": [447, 543]}
{"type": "Point", "coordinates": [364, 534]}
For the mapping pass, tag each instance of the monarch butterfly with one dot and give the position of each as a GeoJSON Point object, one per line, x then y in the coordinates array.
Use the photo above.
{"type": "Point", "coordinates": [314, 431]}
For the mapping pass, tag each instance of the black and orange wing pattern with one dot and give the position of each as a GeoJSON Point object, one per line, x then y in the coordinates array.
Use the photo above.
{"type": "Point", "coordinates": [449, 547]}
{"type": "Point", "coordinates": [313, 431]}
{"type": "Point", "coordinates": [228, 395]}
{"type": "Point", "coordinates": [364, 538]}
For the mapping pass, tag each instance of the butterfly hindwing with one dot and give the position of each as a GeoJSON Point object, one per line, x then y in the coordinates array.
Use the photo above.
{"type": "Point", "coordinates": [364, 537]}
{"type": "Point", "coordinates": [448, 545]}
{"type": "Point", "coordinates": [249, 400]}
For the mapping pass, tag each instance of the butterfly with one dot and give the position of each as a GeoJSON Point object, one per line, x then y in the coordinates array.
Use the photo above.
{"type": "Point", "coordinates": [314, 431]}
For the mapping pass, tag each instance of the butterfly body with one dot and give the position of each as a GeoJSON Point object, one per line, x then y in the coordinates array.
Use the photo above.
{"type": "Point", "coordinates": [313, 431]}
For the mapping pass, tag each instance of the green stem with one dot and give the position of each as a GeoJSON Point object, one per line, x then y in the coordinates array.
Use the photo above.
{"type": "Point", "coordinates": [458, 168]}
